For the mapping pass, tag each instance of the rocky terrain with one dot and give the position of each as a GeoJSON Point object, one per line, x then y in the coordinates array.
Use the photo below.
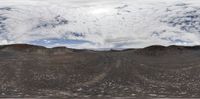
{"type": "Point", "coordinates": [155, 71]}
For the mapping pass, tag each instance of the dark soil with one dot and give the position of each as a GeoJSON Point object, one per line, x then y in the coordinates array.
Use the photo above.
{"type": "Point", "coordinates": [156, 71]}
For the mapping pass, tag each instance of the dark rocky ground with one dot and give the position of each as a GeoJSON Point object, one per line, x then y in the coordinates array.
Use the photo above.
{"type": "Point", "coordinates": [156, 71]}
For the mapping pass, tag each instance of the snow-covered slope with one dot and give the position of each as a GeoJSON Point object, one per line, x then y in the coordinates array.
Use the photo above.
{"type": "Point", "coordinates": [97, 24]}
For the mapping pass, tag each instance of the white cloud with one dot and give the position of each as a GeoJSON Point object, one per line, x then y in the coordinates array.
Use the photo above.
{"type": "Point", "coordinates": [103, 23]}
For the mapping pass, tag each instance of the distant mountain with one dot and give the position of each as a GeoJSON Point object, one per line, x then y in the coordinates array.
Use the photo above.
{"type": "Point", "coordinates": [155, 71]}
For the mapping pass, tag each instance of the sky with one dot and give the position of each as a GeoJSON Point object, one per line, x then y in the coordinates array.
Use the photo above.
{"type": "Point", "coordinates": [100, 24]}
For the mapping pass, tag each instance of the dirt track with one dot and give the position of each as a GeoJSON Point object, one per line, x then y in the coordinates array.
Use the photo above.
{"type": "Point", "coordinates": [156, 71]}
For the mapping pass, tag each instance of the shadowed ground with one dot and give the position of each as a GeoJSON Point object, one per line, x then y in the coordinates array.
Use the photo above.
{"type": "Point", "coordinates": [156, 71]}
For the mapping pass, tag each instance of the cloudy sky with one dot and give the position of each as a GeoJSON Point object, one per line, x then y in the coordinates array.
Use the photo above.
{"type": "Point", "coordinates": [99, 24]}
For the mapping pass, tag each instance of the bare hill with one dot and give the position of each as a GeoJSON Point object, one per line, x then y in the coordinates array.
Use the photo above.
{"type": "Point", "coordinates": [155, 71]}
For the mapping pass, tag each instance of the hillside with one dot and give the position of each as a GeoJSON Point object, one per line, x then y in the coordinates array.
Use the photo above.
{"type": "Point", "coordinates": [156, 71]}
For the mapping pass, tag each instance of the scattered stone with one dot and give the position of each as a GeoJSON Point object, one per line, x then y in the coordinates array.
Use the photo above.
{"type": "Point", "coordinates": [80, 89]}
{"type": "Point", "coordinates": [153, 95]}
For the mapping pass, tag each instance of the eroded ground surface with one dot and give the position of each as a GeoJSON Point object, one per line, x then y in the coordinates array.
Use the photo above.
{"type": "Point", "coordinates": [32, 71]}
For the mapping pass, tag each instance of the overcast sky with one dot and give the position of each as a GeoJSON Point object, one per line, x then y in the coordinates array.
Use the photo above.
{"type": "Point", "coordinates": [99, 23]}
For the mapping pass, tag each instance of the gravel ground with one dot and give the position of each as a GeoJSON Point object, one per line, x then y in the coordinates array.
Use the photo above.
{"type": "Point", "coordinates": [158, 72]}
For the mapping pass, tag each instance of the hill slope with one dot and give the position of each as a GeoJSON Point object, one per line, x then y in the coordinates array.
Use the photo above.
{"type": "Point", "coordinates": [156, 71]}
